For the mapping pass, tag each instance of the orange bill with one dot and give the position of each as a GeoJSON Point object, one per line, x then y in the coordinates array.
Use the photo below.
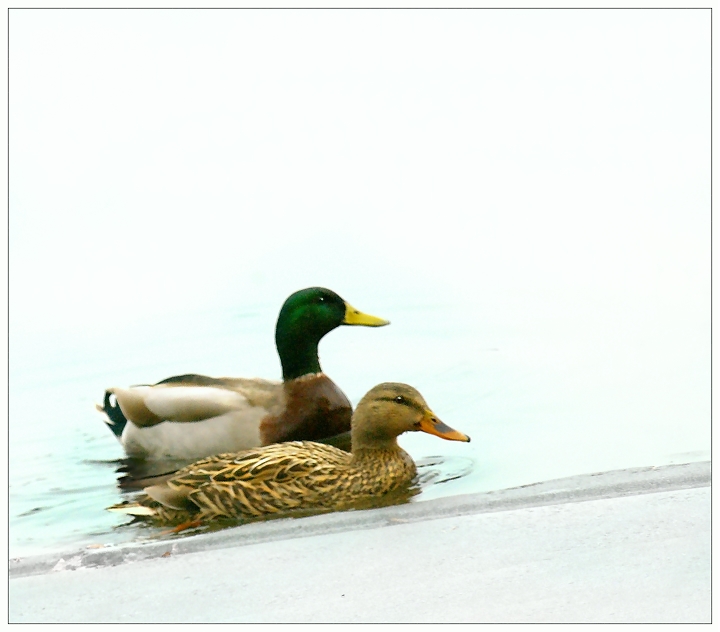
{"type": "Point", "coordinates": [432, 425]}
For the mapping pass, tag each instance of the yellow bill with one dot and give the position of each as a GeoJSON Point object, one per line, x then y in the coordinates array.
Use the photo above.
{"type": "Point", "coordinates": [356, 317]}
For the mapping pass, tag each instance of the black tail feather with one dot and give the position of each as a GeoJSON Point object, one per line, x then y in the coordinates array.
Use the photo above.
{"type": "Point", "coordinates": [115, 419]}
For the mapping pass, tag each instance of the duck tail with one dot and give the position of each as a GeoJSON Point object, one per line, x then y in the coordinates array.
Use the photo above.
{"type": "Point", "coordinates": [132, 509]}
{"type": "Point", "coordinates": [116, 421]}
{"type": "Point", "coordinates": [130, 482]}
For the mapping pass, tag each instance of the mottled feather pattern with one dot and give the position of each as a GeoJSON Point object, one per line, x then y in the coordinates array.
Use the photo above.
{"type": "Point", "coordinates": [282, 478]}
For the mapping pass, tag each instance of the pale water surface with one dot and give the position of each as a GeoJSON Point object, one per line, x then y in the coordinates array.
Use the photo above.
{"type": "Point", "coordinates": [572, 399]}
{"type": "Point", "coordinates": [524, 194]}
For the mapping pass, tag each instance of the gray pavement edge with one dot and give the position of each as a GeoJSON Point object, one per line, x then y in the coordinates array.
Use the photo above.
{"type": "Point", "coordinates": [612, 484]}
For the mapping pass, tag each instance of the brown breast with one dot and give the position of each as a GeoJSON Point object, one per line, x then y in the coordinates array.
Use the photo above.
{"type": "Point", "coordinates": [315, 408]}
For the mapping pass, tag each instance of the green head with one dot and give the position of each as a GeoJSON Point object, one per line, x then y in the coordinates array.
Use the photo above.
{"type": "Point", "coordinates": [304, 319]}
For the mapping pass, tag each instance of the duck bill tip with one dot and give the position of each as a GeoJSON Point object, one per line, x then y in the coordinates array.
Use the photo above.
{"type": "Point", "coordinates": [432, 425]}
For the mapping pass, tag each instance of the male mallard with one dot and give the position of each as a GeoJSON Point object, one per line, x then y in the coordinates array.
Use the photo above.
{"type": "Point", "coordinates": [189, 417]}
{"type": "Point", "coordinates": [300, 475]}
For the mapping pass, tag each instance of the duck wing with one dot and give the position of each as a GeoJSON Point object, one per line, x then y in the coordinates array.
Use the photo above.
{"type": "Point", "coordinates": [193, 398]}
{"type": "Point", "coordinates": [275, 478]}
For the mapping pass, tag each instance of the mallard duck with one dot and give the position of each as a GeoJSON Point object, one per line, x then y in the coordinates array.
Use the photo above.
{"type": "Point", "coordinates": [188, 417]}
{"type": "Point", "coordinates": [300, 475]}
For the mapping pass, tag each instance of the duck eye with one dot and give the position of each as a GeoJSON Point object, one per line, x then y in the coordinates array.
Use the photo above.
{"type": "Point", "coordinates": [400, 399]}
{"type": "Point", "coordinates": [321, 299]}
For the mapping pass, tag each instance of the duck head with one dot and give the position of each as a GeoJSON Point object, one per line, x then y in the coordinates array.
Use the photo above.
{"type": "Point", "coordinates": [391, 408]}
{"type": "Point", "coordinates": [305, 317]}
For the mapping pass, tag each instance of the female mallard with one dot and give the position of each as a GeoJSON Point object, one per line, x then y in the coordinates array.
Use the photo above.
{"type": "Point", "coordinates": [300, 475]}
{"type": "Point", "coordinates": [189, 417]}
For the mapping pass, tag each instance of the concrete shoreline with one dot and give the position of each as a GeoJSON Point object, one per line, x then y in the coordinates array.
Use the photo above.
{"type": "Point", "coordinates": [668, 506]}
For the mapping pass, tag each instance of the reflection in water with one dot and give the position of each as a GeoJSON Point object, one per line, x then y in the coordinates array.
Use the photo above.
{"type": "Point", "coordinates": [436, 470]}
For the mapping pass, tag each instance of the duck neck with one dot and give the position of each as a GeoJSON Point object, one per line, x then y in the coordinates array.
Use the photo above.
{"type": "Point", "coordinates": [390, 454]}
{"type": "Point", "coordinates": [363, 445]}
{"type": "Point", "coordinates": [298, 354]}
